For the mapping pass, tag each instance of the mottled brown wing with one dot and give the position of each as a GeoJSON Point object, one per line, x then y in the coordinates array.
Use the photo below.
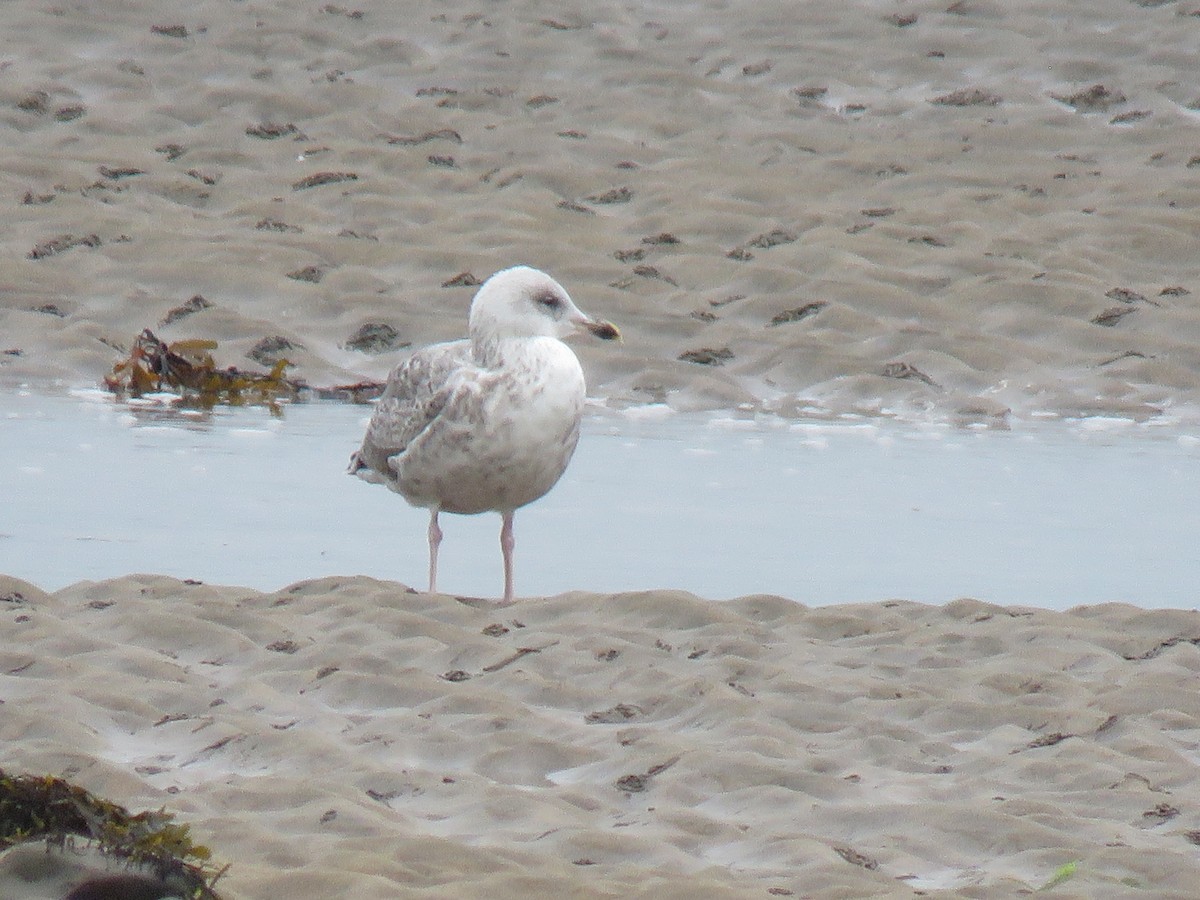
{"type": "Point", "coordinates": [417, 390]}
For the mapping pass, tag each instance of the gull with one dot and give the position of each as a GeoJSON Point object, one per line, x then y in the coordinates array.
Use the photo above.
{"type": "Point", "coordinates": [488, 423]}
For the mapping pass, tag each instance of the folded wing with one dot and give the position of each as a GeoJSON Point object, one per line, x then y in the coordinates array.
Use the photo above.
{"type": "Point", "coordinates": [416, 393]}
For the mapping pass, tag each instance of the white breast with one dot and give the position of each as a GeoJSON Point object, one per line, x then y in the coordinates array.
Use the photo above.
{"type": "Point", "coordinates": [504, 437]}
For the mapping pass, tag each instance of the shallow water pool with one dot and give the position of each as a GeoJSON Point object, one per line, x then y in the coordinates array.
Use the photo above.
{"type": "Point", "coordinates": [1049, 515]}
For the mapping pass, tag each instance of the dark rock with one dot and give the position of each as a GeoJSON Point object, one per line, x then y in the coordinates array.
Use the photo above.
{"type": "Point", "coordinates": [1096, 98]}
{"type": "Point", "coordinates": [175, 31]}
{"type": "Point", "coordinates": [800, 312]}
{"type": "Point", "coordinates": [61, 244]}
{"type": "Point", "coordinates": [1113, 315]}
{"type": "Point", "coordinates": [968, 97]}
{"type": "Point", "coordinates": [375, 337]}
{"type": "Point", "coordinates": [707, 356]}
{"type": "Point", "coordinates": [194, 305]}
{"type": "Point", "coordinates": [311, 274]}
{"type": "Point", "coordinates": [271, 349]}
{"type": "Point", "coordinates": [322, 178]}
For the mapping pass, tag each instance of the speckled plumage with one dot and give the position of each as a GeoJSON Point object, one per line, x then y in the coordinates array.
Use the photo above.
{"type": "Point", "coordinates": [488, 423]}
{"type": "Point", "coordinates": [468, 438]}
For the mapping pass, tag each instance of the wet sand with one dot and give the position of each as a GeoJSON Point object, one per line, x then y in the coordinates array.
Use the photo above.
{"type": "Point", "coordinates": [968, 211]}
{"type": "Point", "coordinates": [963, 210]}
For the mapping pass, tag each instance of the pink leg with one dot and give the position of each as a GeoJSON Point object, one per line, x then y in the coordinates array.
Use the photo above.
{"type": "Point", "coordinates": [435, 538]}
{"type": "Point", "coordinates": [507, 542]}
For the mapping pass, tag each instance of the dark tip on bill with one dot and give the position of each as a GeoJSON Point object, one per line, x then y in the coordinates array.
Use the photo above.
{"type": "Point", "coordinates": [606, 331]}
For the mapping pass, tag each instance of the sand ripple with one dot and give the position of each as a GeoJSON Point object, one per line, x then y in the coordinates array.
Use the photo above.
{"type": "Point", "coordinates": [349, 737]}
{"type": "Point", "coordinates": [959, 188]}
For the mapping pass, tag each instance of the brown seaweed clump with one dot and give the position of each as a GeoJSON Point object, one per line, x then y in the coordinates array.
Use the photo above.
{"type": "Point", "coordinates": [45, 807]}
{"type": "Point", "coordinates": [187, 368]}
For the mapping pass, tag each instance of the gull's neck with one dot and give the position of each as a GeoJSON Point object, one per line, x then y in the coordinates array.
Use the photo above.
{"type": "Point", "coordinates": [497, 352]}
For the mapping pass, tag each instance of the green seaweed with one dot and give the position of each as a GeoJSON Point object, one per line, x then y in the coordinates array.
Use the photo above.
{"type": "Point", "coordinates": [1064, 872]}
{"type": "Point", "coordinates": [45, 807]}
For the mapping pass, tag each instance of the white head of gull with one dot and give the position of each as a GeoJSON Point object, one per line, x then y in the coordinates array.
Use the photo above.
{"type": "Point", "coordinates": [488, 423]}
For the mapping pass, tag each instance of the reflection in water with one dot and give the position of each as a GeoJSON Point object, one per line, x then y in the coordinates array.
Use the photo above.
{"type": "Point", "coordinates": [822, 513]}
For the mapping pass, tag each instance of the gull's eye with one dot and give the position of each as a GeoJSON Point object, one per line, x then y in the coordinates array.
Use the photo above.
{"type": "Point", "coordinates": [548, 302]}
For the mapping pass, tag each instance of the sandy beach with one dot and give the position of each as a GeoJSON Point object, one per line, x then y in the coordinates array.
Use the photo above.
{"type": "Point", "coordinates": [348, 737]}
{"type": "Point", "coordinates": [954, 210]}
{"type": "Point", "coordinates": [974, 212]}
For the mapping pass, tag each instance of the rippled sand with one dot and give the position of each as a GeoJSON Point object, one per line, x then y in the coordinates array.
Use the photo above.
{"type": "Point", "coordinates": [917, 209]}
{"type": "Point", "coordinates": [348, 737]}
{"type": "Point", "coordinates": [975, 211]}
